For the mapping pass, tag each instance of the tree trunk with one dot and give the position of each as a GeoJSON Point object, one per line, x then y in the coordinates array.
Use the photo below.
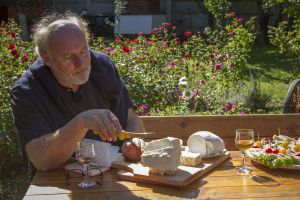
{"type": "Point", "coordinates": [263, 22]}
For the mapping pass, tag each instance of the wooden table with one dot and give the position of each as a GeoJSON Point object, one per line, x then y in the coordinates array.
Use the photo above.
{"type": "Point", "coordinates": [221, 183]}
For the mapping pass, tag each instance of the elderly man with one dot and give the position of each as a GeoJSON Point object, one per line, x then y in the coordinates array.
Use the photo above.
{"type": "Point", "coordinates": [68, 93]}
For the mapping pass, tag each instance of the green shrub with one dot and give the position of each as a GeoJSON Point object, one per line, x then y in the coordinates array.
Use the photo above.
{"type": "Point", "coordinates": [172, 76]}
{"type": "Point", "coordinates": [286, 36]}
{"type": "Point", "coordinates": [16, 54]}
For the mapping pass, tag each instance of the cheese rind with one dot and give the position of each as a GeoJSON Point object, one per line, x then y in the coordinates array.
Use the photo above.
{"type": "Point", "coordinates": [190, 159]}
{"type": "Point", "coordinates": [205, 143]}
{"type": "Point", "coordinates": [162, 156]}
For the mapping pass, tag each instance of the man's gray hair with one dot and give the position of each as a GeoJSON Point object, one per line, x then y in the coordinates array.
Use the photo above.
{"type": "Point", "coordinates": [52, 22]}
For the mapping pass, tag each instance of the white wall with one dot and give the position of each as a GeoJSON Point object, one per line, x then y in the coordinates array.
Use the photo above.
{"type": "Point", "coordinates": [132, 24]}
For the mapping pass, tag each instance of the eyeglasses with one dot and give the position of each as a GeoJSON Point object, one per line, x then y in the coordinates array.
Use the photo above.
{"type": "Point", "coordinates": [77, 173]}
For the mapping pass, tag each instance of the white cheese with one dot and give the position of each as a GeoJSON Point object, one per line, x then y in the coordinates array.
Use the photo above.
{"type": "Point", "coordinates": [162, 156]}
{"type": "Point", "coordinates": [205, 143]}
{"type": "Point", "coordinates": [190, 159]}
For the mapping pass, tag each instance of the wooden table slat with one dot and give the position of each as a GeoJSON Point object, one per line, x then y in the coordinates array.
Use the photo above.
{"type": "Point", "coordinates": [223, 182]}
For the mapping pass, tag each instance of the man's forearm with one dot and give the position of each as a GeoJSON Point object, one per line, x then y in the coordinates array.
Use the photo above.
{"type": "Point", "coordinates": [134, 123]}
{"type": "Point", "coordinates": [51, 150]}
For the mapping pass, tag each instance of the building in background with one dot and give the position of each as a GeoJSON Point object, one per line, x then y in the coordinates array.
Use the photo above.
{"type": "Point", "coordinates": [138, 16]}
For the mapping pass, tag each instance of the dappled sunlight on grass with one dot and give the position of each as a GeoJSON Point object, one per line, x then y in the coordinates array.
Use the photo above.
{"type": "Point", "coordinates": [275, 72]}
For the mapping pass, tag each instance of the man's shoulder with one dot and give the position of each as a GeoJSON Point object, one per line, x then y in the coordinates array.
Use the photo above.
{"type": "Point", "coordinates": [24, 81]}
{"type": "Point", "coordinates": [99, 56]}
{"type": "Point", "coordinates": [101, 63]}
{"type": "Point", "coordinates": [28, 79]}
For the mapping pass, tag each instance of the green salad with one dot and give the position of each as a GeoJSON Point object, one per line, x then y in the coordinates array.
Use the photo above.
{"type": "Point", "coordinates": [275, 161]}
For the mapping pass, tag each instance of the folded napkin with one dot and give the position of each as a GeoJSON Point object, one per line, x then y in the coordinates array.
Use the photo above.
{"type": "Point", "coordinates": [105, 154]}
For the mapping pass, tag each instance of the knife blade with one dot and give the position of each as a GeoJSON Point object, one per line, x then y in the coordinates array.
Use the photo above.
{"type": "Point", "coordinates": [128, 134]}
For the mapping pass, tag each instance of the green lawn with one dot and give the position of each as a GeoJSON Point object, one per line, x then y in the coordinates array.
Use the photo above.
{"type": "Point", "coordinates": [275, 72]}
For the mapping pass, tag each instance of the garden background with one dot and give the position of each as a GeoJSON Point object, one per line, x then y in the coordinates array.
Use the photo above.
{"type": "Point", "coordinates": [218, 71]}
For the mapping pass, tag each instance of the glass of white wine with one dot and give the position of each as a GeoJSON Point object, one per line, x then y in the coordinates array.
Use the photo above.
{"type": "Point", "coordinates": [244, 140]}
{"type": "Point", "coordinates": [85, 154]}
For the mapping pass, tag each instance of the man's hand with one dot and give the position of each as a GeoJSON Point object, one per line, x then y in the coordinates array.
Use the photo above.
{"type": "Point", "coordinates": [102, 121]}
{"type": "Point", "coordinates": [132, 150]}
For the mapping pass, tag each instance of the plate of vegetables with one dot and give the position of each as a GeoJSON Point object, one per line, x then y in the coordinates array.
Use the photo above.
{"type": "Point", "coordinates": [280, 151]}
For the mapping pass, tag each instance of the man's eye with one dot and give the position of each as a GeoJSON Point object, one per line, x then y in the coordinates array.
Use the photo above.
{"type": "Point", "coordinates": [68, 57]}
{"type": "Point", "coordinates": [84, 53]}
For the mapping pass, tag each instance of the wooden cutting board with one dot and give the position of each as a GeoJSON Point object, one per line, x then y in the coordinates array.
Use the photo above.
{"type": "Point", "coordinates": [184, 176]}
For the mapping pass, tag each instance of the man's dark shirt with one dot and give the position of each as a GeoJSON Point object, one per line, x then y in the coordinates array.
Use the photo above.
{"type": "Point", "coordinates": [40, 105]}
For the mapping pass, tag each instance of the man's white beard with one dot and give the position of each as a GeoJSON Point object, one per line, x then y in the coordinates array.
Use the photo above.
{"type": "Point", "coordinates": [75, 79]}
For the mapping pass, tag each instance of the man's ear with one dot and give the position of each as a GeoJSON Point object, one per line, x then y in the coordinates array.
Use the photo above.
{"type": "Point", "coordinates": [45, 57]}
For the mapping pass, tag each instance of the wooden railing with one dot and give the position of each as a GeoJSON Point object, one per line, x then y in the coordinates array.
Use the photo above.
{"type": "Point", "coordinates": [222, 125]}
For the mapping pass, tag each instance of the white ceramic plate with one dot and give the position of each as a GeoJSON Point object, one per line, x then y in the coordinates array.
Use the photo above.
{"type": "Point", "coordinates": [216, 154]}
{"type": "Point", "coordinates": [186, 148]}
{"type": "Point", "coordinates": [251, 152]}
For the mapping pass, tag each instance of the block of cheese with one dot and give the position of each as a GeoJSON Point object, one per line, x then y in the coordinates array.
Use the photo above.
{"type": "Point", "coordinates": [190, 159]}
{"type": "Point", "coordinates": [205, 143]}
{"type": "Point", "coordinates": [162, 156]}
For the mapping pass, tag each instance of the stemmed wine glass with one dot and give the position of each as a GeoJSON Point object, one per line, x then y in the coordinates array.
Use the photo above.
{"type": "Point", "coordinates": [85, 154]}
{"type": "Point", "coordinates": [244, 140]}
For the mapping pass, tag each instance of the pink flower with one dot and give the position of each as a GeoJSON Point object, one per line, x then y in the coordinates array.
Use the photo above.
{"type": "Point", "coordinates": [109, 50]}
{"type": "Point", "coordinates": [211, 56]}
{"type": "Point", "coordinates": [126, 49]}
{"type": "Point", "coordinates": [144, 109]}
{"type": "Point", "coordinates": [218, 67]}
{"type": "Point", "coordinates": [177, 41]}
{"type": "Point", "coordinates": [171, 64]}
{"type": "Point", "coordinates": [195, 93]}
{"type": "Point", "coordinates": [239, 20]}
{"type": "Point", "coordinates": [140, 33]}
{"type": "Point", "coordinates": [11, 46]}
{"type": "Point", "coordinates": [186, 55]}
{"type": "Point", "coordinates": [231, 14]}
{"type": "Point", "coordinates": [164, 44]}
{"type": "Point", "coordinates": [202, 82]}
{"type": "Point", "coordinates": [177, 89]}
{"type": "Point", "coordinates": [12, 34]}
{"type": "Point", "coordinates": [228, 106]}
{"type": "Point", "coordinates": [242, 113]}
{"type": "Point", "coordinates": [133, 41]}
{"type": "Point", "coordinates": [167, 24]}
{"type": "Point", "coordinates": [153, 31]}
{"type": "Point", "coordinates": [25, 58]}
{"type": "Point", "coordinates": [149, 41]}
{"type": "Point", "coordinates": [117, 40]}
{"type": "Point", "coordinates": [14, 52]}
{"type": "Point", "coordinates": [187, 33]}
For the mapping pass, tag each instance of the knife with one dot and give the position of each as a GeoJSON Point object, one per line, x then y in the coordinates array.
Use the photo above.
{"type": "Point", "coordinates": [127, 134]}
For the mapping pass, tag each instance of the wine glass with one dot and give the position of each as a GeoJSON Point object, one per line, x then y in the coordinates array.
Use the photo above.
{"type": "Point", "coordinates": [244, 140]}
{"type": "Point", "coordinates": [85, 154]}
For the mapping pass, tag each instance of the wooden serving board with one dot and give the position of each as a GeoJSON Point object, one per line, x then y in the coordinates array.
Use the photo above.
{"type": "Point", "coordinates": [184, 176]}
